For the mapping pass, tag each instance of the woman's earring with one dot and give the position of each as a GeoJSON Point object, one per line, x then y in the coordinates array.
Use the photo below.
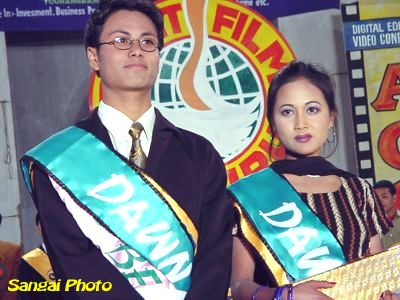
{"type": "Point", "coordinates": [272, 142]}
{"type": "Point", "coordinates": [331, 135]}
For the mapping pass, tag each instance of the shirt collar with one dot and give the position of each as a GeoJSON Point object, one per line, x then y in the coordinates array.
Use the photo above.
{"type": "Point", "coordinates": [396, 215]}
{"type": "Point", "coordinates": [148, 120]}
{"type": "Point", "coordinates": [118, 124]}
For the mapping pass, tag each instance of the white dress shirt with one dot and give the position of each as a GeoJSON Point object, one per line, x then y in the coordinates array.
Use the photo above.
{"type": "Point", "coordinates": [118, 124]}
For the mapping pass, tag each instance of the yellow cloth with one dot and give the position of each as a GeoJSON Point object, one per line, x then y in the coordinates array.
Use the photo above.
{"type": "Point", "coordinates": [39, 261]}
{"type": "Point", "coordinates": [366, 278]}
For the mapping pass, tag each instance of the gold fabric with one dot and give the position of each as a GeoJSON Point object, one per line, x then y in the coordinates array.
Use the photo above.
{"type": "Point", "coordinates": [39, 261]}
{"type": "Point", "coordinates": [137, 155]}
{"type": "Point", "coordinates": [366, 278]}
{"type": "Point", "coordinates": [252, 236]}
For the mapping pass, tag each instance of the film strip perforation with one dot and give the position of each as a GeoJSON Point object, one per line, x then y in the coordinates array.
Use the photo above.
{"type": "Point", "coordinates": [350, 12]}
{"type": "Point", "coordinates": [359, 101]}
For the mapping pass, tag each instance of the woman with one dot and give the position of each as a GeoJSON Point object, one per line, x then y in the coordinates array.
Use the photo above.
{"type": "Point", "coordinates": [315, 198]}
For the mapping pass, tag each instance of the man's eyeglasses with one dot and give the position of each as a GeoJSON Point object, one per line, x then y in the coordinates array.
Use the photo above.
{"type": "Point", "coordinates": [121, 43]}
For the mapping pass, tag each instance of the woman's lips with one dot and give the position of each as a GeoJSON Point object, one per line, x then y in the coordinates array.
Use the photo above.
{"type": "Point", "coordinates": [303, 138]}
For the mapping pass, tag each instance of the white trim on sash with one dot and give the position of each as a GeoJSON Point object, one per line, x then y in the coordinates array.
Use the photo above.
{"type": "Point", "coordinates": [108, 243]}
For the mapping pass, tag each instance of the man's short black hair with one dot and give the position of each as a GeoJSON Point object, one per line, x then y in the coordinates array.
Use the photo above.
{"type": "Point", "coordinates": [386, 184]}
{"type": "Point", "coordinates": [106, 8]}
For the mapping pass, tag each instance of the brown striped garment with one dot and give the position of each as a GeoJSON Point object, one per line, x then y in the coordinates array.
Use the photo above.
{"type": "Point", "coordinates": [352, 213]}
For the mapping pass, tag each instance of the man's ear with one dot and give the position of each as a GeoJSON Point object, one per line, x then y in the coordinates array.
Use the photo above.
{"type": "Point", "coordinates": [93, 58]}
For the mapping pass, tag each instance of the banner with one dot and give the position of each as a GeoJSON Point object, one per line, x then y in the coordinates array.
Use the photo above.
{"type": "Point", "coordinates": [272, 9]}
{"type": "Point", "coordinates": [372, 40]}
{"type": "Point", "coordinates": [48, 15]}
{"type": "Point", "coordinates": [45, 15]}
{"type": "Point", "coordinates": [215, 70]}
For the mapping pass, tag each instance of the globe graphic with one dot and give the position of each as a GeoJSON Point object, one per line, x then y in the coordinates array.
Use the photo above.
{"type": "Point", "coordinates": [235, 95]}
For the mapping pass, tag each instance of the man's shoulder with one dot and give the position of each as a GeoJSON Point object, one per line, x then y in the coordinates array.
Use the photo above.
{"type": "Point", "coordinates": [183, 134]}
{"type": "Point", "coordinates": [397, 219]}
{"type": "Point", "coordinates": [90, 122]}
{"type": "Point", "coordinates": [190, 135]}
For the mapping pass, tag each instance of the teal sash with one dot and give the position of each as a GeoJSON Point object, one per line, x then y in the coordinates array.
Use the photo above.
{"type": "Point", "coordinates": [283, 223]}
{"type": "Point", "coordinates": [120, 198]}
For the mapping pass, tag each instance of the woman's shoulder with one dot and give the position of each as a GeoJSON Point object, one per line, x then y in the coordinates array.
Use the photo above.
{"type": "Point", "coordinates": [358, 186]}
{"type": "Point", "coordinates": [364, 183]}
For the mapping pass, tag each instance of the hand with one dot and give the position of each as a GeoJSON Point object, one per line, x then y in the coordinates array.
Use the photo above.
{"type": "Point", "coordinates": [388, 295]}
{"type": "Point", "coordinates": [310, 290]}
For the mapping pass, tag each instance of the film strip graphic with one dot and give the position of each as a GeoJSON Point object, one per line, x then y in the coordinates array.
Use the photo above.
{"type": "Point", "coordinates": [359, 101]}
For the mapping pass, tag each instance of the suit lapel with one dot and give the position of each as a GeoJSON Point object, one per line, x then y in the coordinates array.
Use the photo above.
{"type": "Point", "coordinates": [162, 137]}
{"type": "Point", "coordinates": [93, 125]}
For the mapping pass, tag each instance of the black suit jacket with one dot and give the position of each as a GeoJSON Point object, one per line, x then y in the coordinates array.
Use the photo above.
{"type": "Point", "coordinates": [188, 167]}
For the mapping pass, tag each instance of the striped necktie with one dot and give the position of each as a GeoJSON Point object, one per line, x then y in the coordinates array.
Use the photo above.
{"type": "Point", "coordinates": [137, 155]}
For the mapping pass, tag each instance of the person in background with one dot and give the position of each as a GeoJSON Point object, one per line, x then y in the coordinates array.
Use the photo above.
{"type": "Point", "coordinates": [386, 193]}
{"type": "Point", "coordinates": [35, 266]}
{"type": "Point", "coordinates": [125, 196]}
{"type": "Point", "coordinates": [309, 215]}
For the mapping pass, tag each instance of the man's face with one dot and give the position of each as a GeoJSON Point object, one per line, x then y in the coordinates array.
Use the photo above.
{"type": "Point", "coordinates": [126, 70]}
{"type": "Point", "coordinates": [386, 198]}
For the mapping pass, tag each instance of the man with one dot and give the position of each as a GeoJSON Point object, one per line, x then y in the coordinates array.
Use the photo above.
{"type": "Point", "coordinates": [35, 266]}
{"type": "Point", "coordinates": [386, 193]}
{"type": "Point", "coordinates": [143, 207]}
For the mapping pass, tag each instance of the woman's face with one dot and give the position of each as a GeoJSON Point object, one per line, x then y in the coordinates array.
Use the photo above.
{"type": "Point", "coordinates": [301, 118]}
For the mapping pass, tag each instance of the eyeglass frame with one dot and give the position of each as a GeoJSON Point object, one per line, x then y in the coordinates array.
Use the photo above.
{"type": "Point", "coordinates": [157, 45]}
